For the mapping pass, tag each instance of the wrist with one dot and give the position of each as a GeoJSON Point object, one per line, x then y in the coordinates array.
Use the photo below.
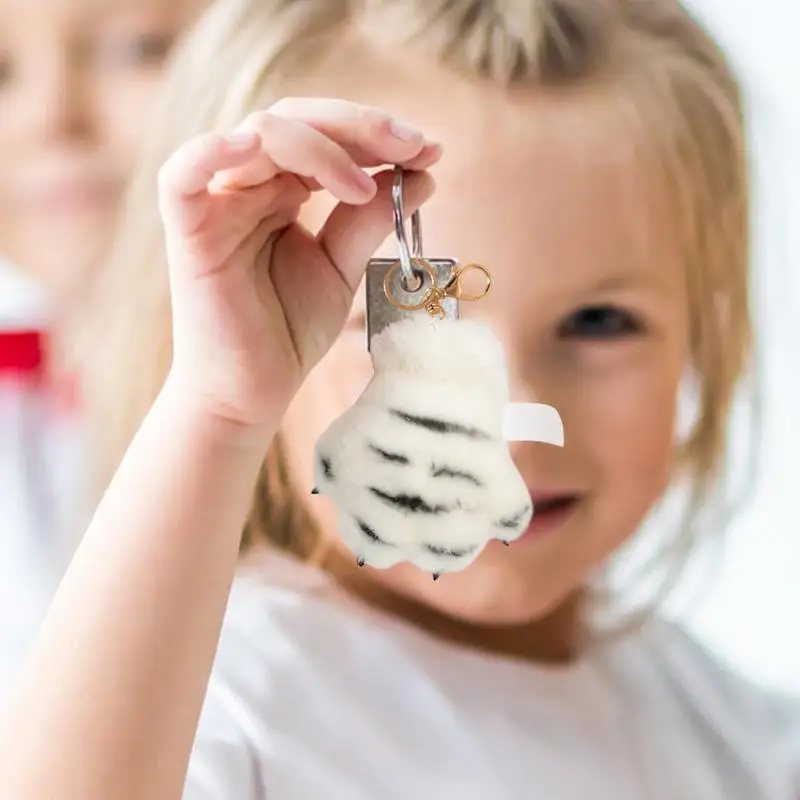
{"type": "Point", "coordinates": [191, 407]}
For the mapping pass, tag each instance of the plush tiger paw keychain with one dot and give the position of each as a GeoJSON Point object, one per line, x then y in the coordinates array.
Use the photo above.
{"type": "Point", "coordinates": [419, 467]}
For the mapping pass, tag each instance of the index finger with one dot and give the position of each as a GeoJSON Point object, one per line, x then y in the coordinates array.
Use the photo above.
{"type": "Point", "coordinates": [184, 178]}
{"type": "Point", "coordinates": [291, 146]}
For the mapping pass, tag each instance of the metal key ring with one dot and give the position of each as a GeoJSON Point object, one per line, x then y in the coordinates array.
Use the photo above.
{"type": "Point", "coordinates": [411, 279]}
{"type": "Point", "coordinates": [421, 269]}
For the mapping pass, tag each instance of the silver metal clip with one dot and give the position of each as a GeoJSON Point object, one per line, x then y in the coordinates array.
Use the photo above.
{"type": "Point", "coordinates": [397, 288]}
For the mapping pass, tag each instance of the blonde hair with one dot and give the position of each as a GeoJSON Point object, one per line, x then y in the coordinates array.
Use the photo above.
{"type": "Point", "coordinates": [245, 54]}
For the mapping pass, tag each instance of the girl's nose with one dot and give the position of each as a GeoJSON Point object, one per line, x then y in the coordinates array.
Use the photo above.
{"type": "Point", "coordinates": [52, 98]}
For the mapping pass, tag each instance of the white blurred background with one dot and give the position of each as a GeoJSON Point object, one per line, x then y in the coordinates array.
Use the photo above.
{"type": "Point", "coordinates": [750, 609]}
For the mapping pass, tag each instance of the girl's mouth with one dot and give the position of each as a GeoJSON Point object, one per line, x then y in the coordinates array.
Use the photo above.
{"type": "Point", "coordinates": [549, 513]}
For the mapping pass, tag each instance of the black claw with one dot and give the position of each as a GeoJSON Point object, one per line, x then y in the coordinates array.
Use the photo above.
{"type": "Point", "coordinates": [315, 490]}
{"type": "Point", "coordinates": [506, 542]}
{"type": "Point", "coordinates": [436, 575]}
{"type": "Point", "coordinates": [361, 562]}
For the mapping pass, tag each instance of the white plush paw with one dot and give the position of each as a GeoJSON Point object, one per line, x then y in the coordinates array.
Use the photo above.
{"type": "Point", "coordinates": [419, 467]}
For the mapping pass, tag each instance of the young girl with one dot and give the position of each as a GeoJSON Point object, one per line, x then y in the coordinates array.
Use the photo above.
{"type": "Point", "coordinates": [75, 78]}
{"type": "Point", "coordinates": [592, 156]}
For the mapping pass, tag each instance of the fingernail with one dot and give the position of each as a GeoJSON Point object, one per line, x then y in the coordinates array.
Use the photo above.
{"type": "Point", "coordinates": [403, 130]}
{"type": "Point", "coordinates": [364, 181]}
{"type": "Point", "coordinates": [243, 140]}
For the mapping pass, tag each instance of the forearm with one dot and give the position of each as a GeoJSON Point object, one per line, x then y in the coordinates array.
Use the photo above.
{"type": "Point", "coordinates": [109, 702]}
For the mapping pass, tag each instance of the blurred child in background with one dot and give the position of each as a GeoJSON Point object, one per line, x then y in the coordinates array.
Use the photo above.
{"type": "Point", "coordinates": [77, 78]}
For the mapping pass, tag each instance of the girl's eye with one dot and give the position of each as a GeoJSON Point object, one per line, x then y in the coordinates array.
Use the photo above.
{"type": "Point", "coordinates": [133, 51]}
{"type": "Point", "coordinates": [599, 322]}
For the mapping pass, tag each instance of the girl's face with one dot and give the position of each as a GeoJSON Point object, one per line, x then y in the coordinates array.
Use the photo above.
{"type": "Point", "coordinates": [552, 193]}
{"type": "Point", "coordinates": [76, 81]}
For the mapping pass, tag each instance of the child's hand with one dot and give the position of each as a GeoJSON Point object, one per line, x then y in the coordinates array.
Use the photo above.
{"type": "Point", "coordinates": [257, 299]}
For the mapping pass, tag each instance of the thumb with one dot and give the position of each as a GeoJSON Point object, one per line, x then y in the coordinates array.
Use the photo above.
{"type": "Point", "coordinates": [352, 234]}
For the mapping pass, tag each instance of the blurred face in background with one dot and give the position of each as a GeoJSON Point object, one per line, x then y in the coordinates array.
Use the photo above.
{"type": "Point", "coordinates": [77, 80]}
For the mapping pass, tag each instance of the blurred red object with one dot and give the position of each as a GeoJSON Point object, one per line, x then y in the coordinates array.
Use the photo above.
{"type": "Point", "coordinates": [22, 354]}
{"type": "Point", "coordinates": [23, 361]}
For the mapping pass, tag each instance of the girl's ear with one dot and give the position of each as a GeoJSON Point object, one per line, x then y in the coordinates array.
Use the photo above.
{"type": "Point", "coordinates": [533, 422]}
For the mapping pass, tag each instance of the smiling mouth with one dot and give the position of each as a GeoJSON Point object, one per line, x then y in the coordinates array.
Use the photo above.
{"type": "Point", "coordinates": [549, 513]}
{"type": "Point", "coordinates": [65, 198]}
{"type": "Point", "coordinates": [552, 504]}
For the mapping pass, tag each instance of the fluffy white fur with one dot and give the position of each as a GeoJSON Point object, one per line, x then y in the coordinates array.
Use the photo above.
{"type": "Point", "coordinates": [463, 488]}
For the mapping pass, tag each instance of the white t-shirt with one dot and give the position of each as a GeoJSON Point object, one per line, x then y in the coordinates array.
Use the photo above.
{"type": "Point", "coordinates": [314, 695]}
{"type": "Point", "coordinates": [42, 476]}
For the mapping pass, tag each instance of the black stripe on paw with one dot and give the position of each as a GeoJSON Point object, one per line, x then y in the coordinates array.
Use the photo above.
{"type": "Point", "coordinates": [515, 520]}
{"type": "Point", "coordinates": [456, 474]}
{"type": "Point", "coordinates": [449, 552]}
{"type": "Point", "coordinates": [439, 425]}
{"type": "Point", "coordinates": [370, 533]}
{"type": "Point", "coordinates": [408, 502]}
{"type": "Point", "coordinates": [386, 455]}
{"type": "Point", "coordinates": [327, 467]}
